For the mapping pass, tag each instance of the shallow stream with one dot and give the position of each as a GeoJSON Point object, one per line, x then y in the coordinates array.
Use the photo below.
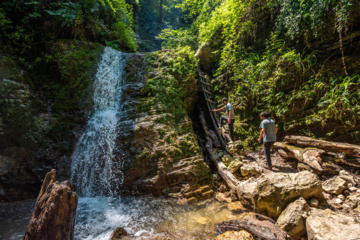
{"type": "Point", "coordinates": [142, 218]}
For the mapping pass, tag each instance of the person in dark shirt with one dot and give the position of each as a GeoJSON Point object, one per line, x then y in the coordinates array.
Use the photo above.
{"type": "Point", "coordinates": [229, 118]}
{"type": "Point", "coordinates": [268, 134]}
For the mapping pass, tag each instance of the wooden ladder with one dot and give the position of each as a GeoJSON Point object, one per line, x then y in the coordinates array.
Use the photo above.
{"type": "Point", "coordinates": [205, 88]}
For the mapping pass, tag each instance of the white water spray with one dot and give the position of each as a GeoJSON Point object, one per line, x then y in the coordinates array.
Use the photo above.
{"type": "Point", "coordinates": [92, 169]}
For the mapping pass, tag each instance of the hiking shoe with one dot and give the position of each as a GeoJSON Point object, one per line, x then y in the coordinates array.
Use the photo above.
{"type": "Point", "coordinates": [267, 166]}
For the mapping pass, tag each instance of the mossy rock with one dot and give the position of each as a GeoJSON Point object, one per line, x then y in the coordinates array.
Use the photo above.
{"type": "Point", "coordinates": [10, 70]}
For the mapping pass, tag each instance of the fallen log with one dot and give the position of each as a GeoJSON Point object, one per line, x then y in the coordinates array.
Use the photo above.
{"type": "Point", "coordinates": [226, 175]}
{"type": "Point", "coordinates": [302, 141]}
{"type": "Point", "coordinates": [260, 228]}
{"type": "Point", "coordinates": [319, 160]}
{"type": "Point", "coordinates": [309, 156]}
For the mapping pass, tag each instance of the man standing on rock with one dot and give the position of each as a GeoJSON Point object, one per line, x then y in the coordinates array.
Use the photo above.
{"type": "Point", "coordinates": [268, 133]}
{"type": "Point", "coordinates": [229, 118]}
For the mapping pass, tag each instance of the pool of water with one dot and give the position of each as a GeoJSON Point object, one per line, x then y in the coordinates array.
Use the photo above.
{"type": "Point", "coordinates": [141, 217]}
{"type": "Point", "coordinates": [14, 219]}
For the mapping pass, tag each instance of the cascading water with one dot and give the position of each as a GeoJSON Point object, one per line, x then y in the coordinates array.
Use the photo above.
{"type": "Point", "coordinates": [93, 171]}
{"type": "Point", "coordinates": [97, 176]}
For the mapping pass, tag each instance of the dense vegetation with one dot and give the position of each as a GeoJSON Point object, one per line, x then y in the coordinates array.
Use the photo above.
{"type": "Point", "coordinates": [295, 59]}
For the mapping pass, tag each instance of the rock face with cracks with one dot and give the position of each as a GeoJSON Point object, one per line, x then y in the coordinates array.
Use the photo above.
{"type": "Point", "coordinates": [291, 219]}
{"type": "Point", "coordinates": [54, 213]}
{"type": "Point", "coordinates": [326, 225]}
{"type": "Point", "coordinates": [335, 185]}
{"type": "Point", "coordinates": [276, 190]}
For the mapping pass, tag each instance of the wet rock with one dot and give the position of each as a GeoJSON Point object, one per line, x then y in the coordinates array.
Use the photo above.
{"type": "Point", "coordinates": [10, 70]}
{"type": "Point", "coordinates": [276, 190]}
{"type": "Point", "coordinates": [236, 206]}
{"type": "Point", "coordinates": [118, 233]}
{"type": "Point", "coordinates": [291, 219]}
{"type": "Point", "coordinates": [222, 197]}
{"type": "Point", "coordinates": [325, 224]}
{"type": "Point", "coordinates": [54, 212]}
{"type": "Point", "coordinates": [240, 235]}
{"type": "Point", "coordinates": [335, 185]}
{"type": "Point", "coordinates": [247, 170]}
{"type": "Point", "coordinates": [353, 200]}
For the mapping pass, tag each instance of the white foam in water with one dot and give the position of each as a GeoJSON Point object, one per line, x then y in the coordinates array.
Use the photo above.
{"type": "Point", "coordinates": [98, 217]}
{"type": "Point", "coordinates": [92, 169]}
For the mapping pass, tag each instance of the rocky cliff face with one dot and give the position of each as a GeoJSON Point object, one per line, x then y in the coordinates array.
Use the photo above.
{"type": "Point", "coordinates": [36, 132]}
{"type": "Point", "coordinates": [22, 122]}
{"type": "Point", "coordinates": [161, 147]}
{"type": "Point", "coordinates": [156, 145]}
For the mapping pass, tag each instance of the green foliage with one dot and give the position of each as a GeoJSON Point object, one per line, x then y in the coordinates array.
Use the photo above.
{"type": "Point", "coordinates": [178, 39]}
{"type": "Point", "coordinates": [76, 62]}
{"type": "Point", "coordinates": [296, 18]}
{"type": "Point", "coordinates": [266, 60]}
{"type": "Point", "coordinates": [174, 84]}
{"type": "Point", "coordinates": [342, 100]}
{"type": "Point", "coordinates": [29, 28]}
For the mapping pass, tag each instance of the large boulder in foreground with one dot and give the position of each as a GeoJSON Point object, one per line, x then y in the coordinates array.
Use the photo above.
{"type": "Point", "coordinates": [54, 212]}
{"type": "Point", "coordinates": [276, 190]}
{"type": "Point", "coordinates": [325, 224]}
{"type": "Point", "coordinates": [292, 219]}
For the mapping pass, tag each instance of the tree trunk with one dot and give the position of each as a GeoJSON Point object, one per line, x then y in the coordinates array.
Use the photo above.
{"type": "Point", "coordinates": [259, 226]}
{"type": "Point", "coordinates": [301, 141]}
{"type": "Point", "coordinates": [319, 160]}
{"type": "Point", "coordinates": [160, 11]}
{"type": "Point", "coordinates": [309, 156]}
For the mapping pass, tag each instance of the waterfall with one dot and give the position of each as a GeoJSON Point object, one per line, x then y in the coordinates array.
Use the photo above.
{"type": "Point", "coordinates": [93, 171]}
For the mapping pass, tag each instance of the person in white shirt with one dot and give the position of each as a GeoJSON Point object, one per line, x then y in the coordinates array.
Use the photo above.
{"type": "Point", "coordinates": [229, 118]}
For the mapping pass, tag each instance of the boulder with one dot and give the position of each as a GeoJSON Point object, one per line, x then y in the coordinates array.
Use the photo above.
{"type": "Point", "coordinates": [235, 147]}
{"type": "Point", "coordinates": [234, 165]}
{"type": "Point", "coordinates": [54, 212]}
{"type": "Point", "coordinates": [206, 56]}
{"type": "Point", "coordinates": [325, 224]}
{"type": "Point", "coordinates": [353, 200]}
{"type": "Point", "coordinates": [246, 191]}
{"type": "Point", "coordinates": [291, 219]}
{"type": "Point", "coordinates": [118, 233]}
{"type": "Point", "coordinates": [276, 190]}
{"type": "Point", "coordinates": [240, 235]}
{"type": "Point", "coordinates": [335, 185]}
{"type": "Point", "coordinates": [247, 170]}
{"type": "Point", "coordinates": [347, 177]}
